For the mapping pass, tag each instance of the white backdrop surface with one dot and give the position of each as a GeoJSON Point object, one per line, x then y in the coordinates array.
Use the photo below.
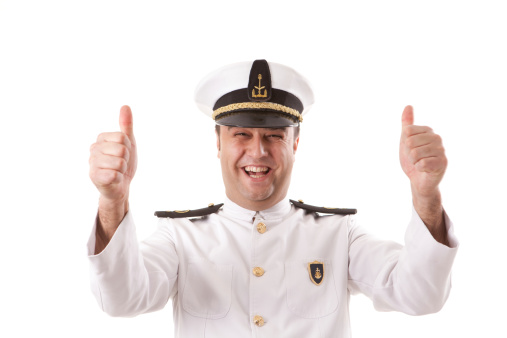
{"type": "Point", "coordinates": [66, 68]}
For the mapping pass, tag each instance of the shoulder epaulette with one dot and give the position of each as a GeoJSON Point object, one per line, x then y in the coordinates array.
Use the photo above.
{"type": "Point", "coordinates": [324, 210]}
{"type": "Point", "coordinates": [212, 208]}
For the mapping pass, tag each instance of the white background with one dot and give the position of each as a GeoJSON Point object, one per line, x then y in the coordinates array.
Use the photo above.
{"type": "Point", "coordinates": [66, 68]}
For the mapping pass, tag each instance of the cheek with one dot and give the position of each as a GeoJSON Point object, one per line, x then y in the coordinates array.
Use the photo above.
{"type": "Point", "coordinates": [229, 156]}
{"type": "Point", "coordinates": [286, 158]}
{"type": "Point", "coordinates": [291, 157]}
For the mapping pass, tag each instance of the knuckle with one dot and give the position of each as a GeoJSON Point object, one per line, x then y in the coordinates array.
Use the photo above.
{"type": "Point", "coordinates": [123, 139]}
{"type": "Point", "coordinates": [114, 176]}
{"type": "Point", "coordinates": [117, 163]}
{"type": "Point", "coordinates": [122, 165]}
{"type": "Point", "coordinates": [422, 162]}
{"type": "Point", "coordinates": [123, 152]}
{"type": "Point", "coordinates": [94, 148]}
{"type": "Point", "coordinates": [101, 136]}
{"type": "Point", "coordinates": [414, 153]}
{"type": "Point", "coordinates": [92, 173]}
{"type": "Point", "coordinates": [407, 130]}
{"type": "Point", "coordinates": [109, 177]}
{"type": "Point", "coordinates": [438, 139]}
{"type": "Point", "coordinates": [410, 142]}
{"type": "Point", "coordinates": [100, 178]}
{"type": "Point", "coordinates": [92, 161]}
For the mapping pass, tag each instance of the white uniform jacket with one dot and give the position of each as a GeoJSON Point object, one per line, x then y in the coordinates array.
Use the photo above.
{"type": "Point", "coordinates": [207, 267]}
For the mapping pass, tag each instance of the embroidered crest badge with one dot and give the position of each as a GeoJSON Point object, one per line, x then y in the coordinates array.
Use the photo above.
{"type": "Point", "coordinates": [316, 271]}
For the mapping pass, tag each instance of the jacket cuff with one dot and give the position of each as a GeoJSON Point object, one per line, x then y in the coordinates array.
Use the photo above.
{"type": "Point", "coordinates": [116, 245]}
{"type": "Point", "coordinates": [418, 235]}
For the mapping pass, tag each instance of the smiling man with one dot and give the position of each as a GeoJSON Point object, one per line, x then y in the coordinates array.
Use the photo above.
{"type": "Point", "coordinates": [256, 164]}
{"type": "Point", "coordinates": [261, 265]}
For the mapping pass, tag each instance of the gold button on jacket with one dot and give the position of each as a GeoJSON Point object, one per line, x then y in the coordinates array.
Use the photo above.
{"type": "Point", "coordinates": [261, 228]}
{"type": "Point", "coordinates": [258, 320]}
{"type": "Point", "coordinates": [258, 271]}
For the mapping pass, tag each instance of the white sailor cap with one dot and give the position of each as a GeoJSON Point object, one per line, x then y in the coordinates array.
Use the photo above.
{"type": "Point", "coordinates": [255, 95]}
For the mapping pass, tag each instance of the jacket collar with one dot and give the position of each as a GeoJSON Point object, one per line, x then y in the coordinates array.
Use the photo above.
{"type": "Point", "coordinates": [278, 211]}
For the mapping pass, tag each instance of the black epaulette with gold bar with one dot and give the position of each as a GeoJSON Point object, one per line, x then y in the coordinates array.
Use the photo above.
{"type": "Point", "coordinates": [324, 210]}
{"type": "Point", "coordinates": [212, 208]}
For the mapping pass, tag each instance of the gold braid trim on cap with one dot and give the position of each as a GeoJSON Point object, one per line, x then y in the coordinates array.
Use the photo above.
{"type": "Point", "coordinates": [257, 105]}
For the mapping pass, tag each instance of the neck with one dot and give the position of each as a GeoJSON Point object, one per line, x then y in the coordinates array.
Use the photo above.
{"type": "Point", "coordinates": [255, 205]}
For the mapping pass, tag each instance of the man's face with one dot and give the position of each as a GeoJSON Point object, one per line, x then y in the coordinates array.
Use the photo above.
{"type": "Point", "coordinates": [256, 164]}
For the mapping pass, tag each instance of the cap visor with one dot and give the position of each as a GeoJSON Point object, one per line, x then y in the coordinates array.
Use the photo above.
{"type": "Point", "coordinates": [257, 119]}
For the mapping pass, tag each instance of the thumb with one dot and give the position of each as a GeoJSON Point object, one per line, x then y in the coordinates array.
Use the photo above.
{"type": "Point", "coordinates": [127, 122]}
{"type": "Point", "coordinates": [407, 118]}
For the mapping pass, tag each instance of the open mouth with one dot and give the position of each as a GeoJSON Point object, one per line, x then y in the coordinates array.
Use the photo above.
{"type": "Point", "coordinates": [256, 172]}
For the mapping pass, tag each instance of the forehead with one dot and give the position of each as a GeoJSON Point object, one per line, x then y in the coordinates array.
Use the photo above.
{"type": "Point", "coordinates": [229, 128]}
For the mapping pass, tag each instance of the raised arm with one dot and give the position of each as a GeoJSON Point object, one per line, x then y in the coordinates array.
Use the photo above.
{"type": "Point", "coordinates": [414, 278]}
{"type": "Point", "coordinates": [113, 163]}
{"type": "Point", "coordinates": [127, 277]}
{"type": "Point", "coordinates": [422, 158]}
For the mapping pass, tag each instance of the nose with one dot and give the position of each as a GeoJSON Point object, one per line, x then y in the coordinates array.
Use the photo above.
{"type": "Point", "coordinates": [257, 148]}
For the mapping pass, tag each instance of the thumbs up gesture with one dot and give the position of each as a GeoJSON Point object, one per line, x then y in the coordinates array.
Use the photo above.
{"type": "Point", "coordinates": [422, 156]}
{"type": "Point", "coordinates": [113, 162]}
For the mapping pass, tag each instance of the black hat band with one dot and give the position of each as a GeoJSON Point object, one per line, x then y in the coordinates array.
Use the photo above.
{"type": "Point", "coordinates": [238, 100]}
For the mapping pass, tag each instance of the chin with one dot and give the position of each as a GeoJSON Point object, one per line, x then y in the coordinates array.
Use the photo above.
{"type": "Point", "coordinates": [258, 197]}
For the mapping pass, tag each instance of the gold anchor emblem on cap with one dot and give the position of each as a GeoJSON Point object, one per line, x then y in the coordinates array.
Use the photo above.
{"type": "Point", "coordinates": [259, 89]}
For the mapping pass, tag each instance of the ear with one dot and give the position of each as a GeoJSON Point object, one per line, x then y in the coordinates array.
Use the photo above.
{"type": "Point", "coordinates": [218, 144]}
{"type": "Point", "coordinates": [296, 144]}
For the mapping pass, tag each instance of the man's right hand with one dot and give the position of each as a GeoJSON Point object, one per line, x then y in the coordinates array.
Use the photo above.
{"type": "Point", "coordinates": [113, 163]}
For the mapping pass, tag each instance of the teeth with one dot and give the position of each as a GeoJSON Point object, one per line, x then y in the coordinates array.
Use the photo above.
{"type": "Point", "coordinates": [256, 169]}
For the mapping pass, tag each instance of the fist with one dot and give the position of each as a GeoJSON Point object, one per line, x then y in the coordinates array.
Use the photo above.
{"type": "Point", "coordinates": [113, 160]}
{"type": "Point", "coordinates": [422, 155]}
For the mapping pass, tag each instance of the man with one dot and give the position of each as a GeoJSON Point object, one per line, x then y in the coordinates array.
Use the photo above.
{"type": "Point", "coordinates": [260, 265]}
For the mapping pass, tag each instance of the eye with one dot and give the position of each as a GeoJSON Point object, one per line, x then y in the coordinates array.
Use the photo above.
{"type": "Point", "coordinates": [276, 136]}
{"type": "Point", "coordinates": [240, 134]}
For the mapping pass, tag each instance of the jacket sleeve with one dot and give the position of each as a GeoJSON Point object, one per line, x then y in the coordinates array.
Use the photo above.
{"type": "Point", "coordinates": [129, 278]}
{"type": "Point", "coordinates": [414, 279]}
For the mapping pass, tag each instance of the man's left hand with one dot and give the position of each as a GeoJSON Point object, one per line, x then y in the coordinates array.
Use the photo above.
{"type": "Point", "coordinates": [422, 156]}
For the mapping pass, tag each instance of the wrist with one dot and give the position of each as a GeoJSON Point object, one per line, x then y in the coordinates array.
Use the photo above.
{"type": "Point", "coordinates": [429, 196]}
{"type": "Point", "coordinates": [110, 214]}
{"type": "Point", "coordinates": [429, 208]}
{"type": "Point", "coordinates": [427, 204]}
{"type": "Point", "coordinates": [110, 205]}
